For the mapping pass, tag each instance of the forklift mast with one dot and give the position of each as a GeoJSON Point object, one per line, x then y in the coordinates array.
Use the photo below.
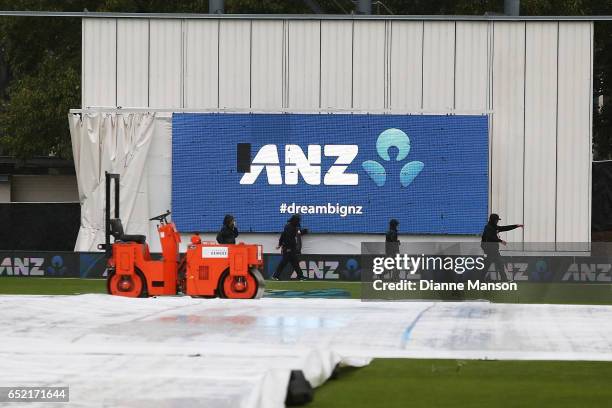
{"type": "Point", "coordinates": [110, 177]}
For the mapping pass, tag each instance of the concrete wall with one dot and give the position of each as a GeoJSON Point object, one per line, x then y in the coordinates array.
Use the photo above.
{"type": "Point", "coordinates": [43, 188]}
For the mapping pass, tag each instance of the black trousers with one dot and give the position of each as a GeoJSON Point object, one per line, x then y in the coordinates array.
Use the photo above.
{"type": "Point", "coordinates": [289, 257]}
{"type": "Point", "coordinates": [496, 259]}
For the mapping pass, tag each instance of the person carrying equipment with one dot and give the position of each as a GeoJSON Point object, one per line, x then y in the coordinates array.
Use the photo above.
{"type": "Point", "coordinates": [229, 231]}
{"type": "Point", "coordinates": [288, 243]}
{"type": "Point", "coordinates": [490, 245]}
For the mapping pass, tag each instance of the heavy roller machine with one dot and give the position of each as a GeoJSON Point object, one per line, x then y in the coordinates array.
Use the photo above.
{"type": "Point", "coordinates": [207, 269]}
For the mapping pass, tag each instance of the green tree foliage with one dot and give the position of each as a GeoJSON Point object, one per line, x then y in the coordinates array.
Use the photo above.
{"type": "Point", "coordinates": [43, 56]}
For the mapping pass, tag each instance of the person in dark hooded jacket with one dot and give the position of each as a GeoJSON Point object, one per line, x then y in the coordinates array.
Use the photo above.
{"type": "Point", "coordinates": [288, 243]}
{"type": "Point", "coordinates": [229, 231]}
{"type": "Point", "coordinates": [391, 235]}
{"type": "Point", "coordinates": [490, 244]}
{"type": "Point", "coordinates": [391, 239]}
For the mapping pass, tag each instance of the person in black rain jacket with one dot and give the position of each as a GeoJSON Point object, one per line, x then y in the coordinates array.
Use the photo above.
{"type": "Point", "coordinates": [391, 240]}
{"type": "Point", "coordinates": [490, 244]}
{"type": "Point", "coordinates": [229, 231]}
{"type": "Point", "coordinates": [288, 242]}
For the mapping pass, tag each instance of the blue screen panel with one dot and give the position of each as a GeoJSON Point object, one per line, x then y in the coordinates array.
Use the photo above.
{"type": "Point", "coordinates": [345, 173]}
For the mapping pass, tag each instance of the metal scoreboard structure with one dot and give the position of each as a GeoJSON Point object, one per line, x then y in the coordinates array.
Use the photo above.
{"type": "Point", "coordinates": [531, 78]}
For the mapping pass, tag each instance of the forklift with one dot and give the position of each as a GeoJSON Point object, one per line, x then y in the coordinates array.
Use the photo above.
{"type": "Point", "coordinates": [207, 269]}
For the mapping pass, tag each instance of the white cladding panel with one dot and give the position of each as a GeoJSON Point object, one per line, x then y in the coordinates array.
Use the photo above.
{"type": "Point", "coordinates": [99, 53]}
{"type": "Point", "coordinates": [540, 132]}
{"type": "Point", "coordinates": [574, 132]}
{"type": "Point", "coordinates": [406, 71]}
{"type": "Point", "coordinates": [267, 65]}
{"type": "Point", "coordinates": [472, 66]}
{"type": "Point", "coordinates": [304, 64]}
{"type": "Point", "coordinates": [201, 70]}
{"type": "Point", "coordinates": [336, 64]}
{"type": "Point", "coordinates": [133, 72]}
{"type": "Point", "coordinates": [235, 64]}
{"type": "Point", "coordinates": [165, 71]}
{"type": "Point", "coordinates": [369, 64]}
{"type": "Point", "coordinates": [534, 79]}
{"type": "Point", "coordinates": [506, 142]}
{"type": "Point", "coordinates": [439, 66]}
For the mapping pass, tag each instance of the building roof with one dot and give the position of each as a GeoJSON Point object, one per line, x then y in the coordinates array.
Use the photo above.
{"type": "Point", "coordinates": [487, 17]}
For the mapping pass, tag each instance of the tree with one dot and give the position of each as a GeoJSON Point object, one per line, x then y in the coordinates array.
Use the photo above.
{"type": "Point", "coordinates": [44, 64]}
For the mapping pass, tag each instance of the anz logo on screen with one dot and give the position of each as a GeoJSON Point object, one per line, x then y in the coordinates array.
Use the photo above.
{"type": "Point", "coordinates": [309, 166]}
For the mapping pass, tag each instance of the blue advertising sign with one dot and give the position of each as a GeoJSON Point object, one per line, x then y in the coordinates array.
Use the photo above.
{"type": "Point", "coordinates": [343, 173]}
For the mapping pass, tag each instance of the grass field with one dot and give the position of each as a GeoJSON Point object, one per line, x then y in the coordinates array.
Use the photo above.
{"type": "Point", "coordinates": [415, 383]}
{"type": "Point", "coordinates": [391, 383]}
{"type": "Point", "coordinates": [69, 286]}
{"type": "Point", "coordinates": [554, 293]}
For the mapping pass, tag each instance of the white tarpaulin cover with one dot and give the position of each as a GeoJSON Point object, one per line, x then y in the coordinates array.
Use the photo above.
{"type": "Point", "coordinates": [117, 143]}
{"type": "Point", "coordinates": [184, 352]}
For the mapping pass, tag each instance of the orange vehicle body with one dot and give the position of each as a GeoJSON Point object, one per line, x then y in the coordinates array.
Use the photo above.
{"type": "Point", "coordinates": [136, 274]}
{"type": "Point", "coordinates": [208, 269]}
{"type": "Point", "coordinates": [224, 270]}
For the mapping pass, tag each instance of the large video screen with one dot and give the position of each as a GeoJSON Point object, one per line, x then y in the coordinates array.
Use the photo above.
{"type": "Point", "coordinates": [344, 173]}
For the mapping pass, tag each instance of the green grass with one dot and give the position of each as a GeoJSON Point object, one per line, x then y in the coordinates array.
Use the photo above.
{"type": "Point", "coordinates": [389, 383]}
{"type": "Point", "coordinates": [50, 286]}
{"type": "Point", "coordinates": [405, 383]}
{"type": "Point", "coordinates": [353, 288]}
{"type": "Point", "coordinates": [563, 293]}
{"type": "Point", "coordinates": [10, 285]}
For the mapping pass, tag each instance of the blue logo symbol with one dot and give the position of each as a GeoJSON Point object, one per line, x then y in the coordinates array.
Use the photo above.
{"type": "Point", "coordinates": [386, 140]}
{"type": "Point", "coordinates": [542, 272]}
{"type": "Point", "coordinates": [57, 267]}
{"type": "Point", "coordinates": [352, 269]}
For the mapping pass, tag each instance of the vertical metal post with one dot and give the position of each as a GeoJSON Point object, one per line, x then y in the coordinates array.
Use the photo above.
{"type": "Point", "coordinates": [109, 177]}
{"type": "Point", "coordinates": [107, 214]}
{"type": "Point", "coordinates": [216, 6]}
{"type": "Point", "coordinates": [116, 178]}
{"type": "Point", "coordinates": [512, 7]}
{"type": "Point", "coordinates": [364, 6]}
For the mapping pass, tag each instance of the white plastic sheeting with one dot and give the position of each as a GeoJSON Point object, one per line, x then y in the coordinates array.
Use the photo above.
{"type": "Point", "coordinates": [184, 352]}
{"type": "Point", "coordinates": [117, 143]}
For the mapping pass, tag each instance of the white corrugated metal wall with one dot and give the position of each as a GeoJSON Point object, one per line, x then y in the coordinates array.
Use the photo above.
{"type": "Point", "coordinates": [534, 78]}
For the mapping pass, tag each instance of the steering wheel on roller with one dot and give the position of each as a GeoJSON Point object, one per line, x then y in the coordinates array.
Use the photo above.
{"type": "Point", "coordinates": [162, 218]}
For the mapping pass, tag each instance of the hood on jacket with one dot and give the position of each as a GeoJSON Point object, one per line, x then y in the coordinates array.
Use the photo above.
{"type": "Point", "coordinates": [294, 220]}
{"type": "Point", "coordinates": [227, 220]}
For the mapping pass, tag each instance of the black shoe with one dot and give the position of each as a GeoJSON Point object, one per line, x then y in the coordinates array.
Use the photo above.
{"type": "Point", "coordinates": [303, 278]}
